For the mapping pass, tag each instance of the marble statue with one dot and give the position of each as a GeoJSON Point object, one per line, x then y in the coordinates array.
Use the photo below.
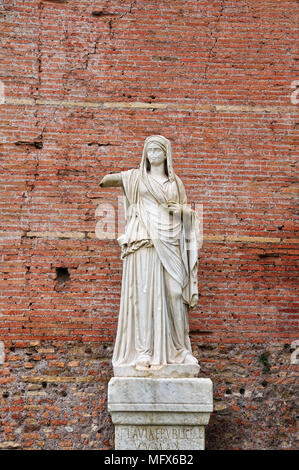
{"type": "Point", "coordinates": [159, 252]}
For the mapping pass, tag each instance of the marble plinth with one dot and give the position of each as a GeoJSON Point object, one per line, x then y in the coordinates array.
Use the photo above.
{"type": "Point", "coordinates": [169, 371]}
{"type": "Point", "coordinates": [160, 413]}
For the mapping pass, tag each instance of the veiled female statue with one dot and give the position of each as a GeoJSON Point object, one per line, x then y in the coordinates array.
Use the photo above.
{"type": "Point", "coordinates": [159, 252]}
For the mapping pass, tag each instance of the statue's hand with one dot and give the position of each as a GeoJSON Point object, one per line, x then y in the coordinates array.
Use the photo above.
{"type": "Point", "coordinates": [175, 208]}
{"type": "Point", "coordinates": [179, 210]}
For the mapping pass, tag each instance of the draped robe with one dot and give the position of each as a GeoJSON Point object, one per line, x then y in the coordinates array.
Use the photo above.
{"type": "Point", "coordinates": [159, 280]}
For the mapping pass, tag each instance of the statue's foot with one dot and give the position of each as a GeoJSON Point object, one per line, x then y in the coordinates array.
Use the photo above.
{"type": "Point", "coordinates": [143, 363]}
{"type": "Point", "coordinates": [190, 359]}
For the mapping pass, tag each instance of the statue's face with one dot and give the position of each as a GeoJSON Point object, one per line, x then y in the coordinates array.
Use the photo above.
{"type": "Point", "coordinates": [155, 154]}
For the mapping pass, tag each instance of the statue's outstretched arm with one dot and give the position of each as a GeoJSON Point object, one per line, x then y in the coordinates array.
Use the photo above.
{"type": "Point", "coordinates": [113, 179]}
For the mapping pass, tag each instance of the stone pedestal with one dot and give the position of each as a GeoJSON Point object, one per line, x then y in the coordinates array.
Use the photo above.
{"type": "Point", "coordinates": [160, 413]}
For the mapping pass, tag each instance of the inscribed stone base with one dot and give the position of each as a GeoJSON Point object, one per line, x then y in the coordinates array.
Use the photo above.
{"type": "Point", "coordinates": [160, 413]}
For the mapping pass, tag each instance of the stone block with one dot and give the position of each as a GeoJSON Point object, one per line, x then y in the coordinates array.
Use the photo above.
{"type": "Point", "coordinates": [160, 413]}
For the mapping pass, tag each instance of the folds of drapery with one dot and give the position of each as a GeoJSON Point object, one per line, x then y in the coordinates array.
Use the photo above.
{"type": "Point", "coordinates": [148, 222]}
{"type": "Point", "coordinates": [151, 325]}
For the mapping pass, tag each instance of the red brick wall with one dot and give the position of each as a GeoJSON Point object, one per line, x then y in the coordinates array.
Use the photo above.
{"type": "Point", "coordinates": [85, 82]}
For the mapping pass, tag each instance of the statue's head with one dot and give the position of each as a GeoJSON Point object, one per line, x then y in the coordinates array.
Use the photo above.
{"type": "Point", "coordinates": [155, 155]}
{"type": "Point", "coordinates": [156, 150]}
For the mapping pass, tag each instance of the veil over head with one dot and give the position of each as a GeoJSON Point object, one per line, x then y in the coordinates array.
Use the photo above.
{"type": "Point", "coordinates": [166, 146]}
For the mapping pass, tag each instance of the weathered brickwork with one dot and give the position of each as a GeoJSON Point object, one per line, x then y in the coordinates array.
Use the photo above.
{"type": "Point", "coordinates": [53, 396]}
{"type": "Point", "coordinates": [84, 82]}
